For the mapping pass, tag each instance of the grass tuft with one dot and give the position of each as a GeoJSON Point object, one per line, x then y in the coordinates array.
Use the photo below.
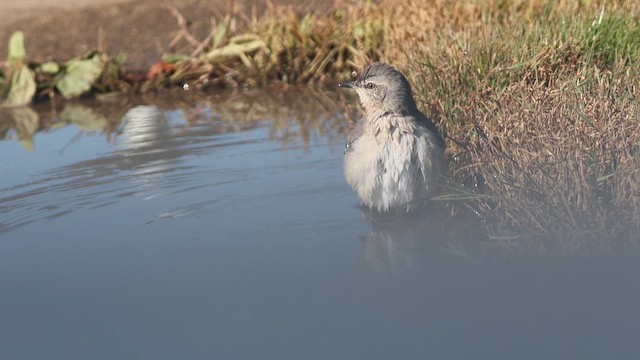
{"type": "Point", "coordinates": [539, 110]}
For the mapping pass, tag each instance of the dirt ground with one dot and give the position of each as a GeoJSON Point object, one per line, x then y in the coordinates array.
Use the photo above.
{"type": "Point", "coordinates": [143, 29]}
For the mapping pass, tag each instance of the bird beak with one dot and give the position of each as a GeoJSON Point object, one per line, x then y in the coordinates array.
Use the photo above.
{"type": "Point", "coordinates": [348, 85]}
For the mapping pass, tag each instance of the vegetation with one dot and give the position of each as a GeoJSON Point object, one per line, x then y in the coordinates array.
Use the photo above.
{"type": "Point", "coordinates": [293, 115]}
{"type": "Point", "coordinates": [241, 51]}
{"type": "Point", "coordinates": [537, 99]}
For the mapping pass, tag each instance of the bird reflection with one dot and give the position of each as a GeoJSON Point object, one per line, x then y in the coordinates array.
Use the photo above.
{"type": "Point", "coordinates": [404, 243]}
{"type": "Point", "coordinates": [145, 136]}
{"type": "Point", "coordinates": [144, 127]}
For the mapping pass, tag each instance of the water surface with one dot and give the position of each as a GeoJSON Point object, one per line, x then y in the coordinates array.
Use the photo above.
{"type": "Point", "coordinates": [222, 228]}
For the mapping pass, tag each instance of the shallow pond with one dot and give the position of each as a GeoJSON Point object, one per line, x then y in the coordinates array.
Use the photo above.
{"type": "Point", "coordinates": [220, 227]}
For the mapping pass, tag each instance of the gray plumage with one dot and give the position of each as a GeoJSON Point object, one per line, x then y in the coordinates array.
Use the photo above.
{"type": "Point", "coordinates": [394, 158]}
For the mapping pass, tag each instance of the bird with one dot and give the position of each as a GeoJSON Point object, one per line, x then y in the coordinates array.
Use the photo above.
{"type": "Point", "coordinates": [394, 156]}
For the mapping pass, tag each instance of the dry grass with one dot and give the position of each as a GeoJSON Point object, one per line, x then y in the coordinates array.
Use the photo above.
{"type": "Point", "coordinates": [561, 163]}
{"type": "Point", "coordinates": [281, 45]}
{"type": "Point", "coordinates": [538, 101]}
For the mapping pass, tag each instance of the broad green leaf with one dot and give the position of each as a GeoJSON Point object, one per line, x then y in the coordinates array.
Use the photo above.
{"type": "Point", "coordinates": [49, 67]}
{"type": "Point", "coordinates": [16, 47]}
{"type": "Point", "coordinates": [79, 75]}
{"type": "Point", "coordinates": [22, 87]}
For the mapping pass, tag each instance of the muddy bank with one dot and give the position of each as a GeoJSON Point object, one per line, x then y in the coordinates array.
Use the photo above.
{"type": "Point", "coordinates": [143, 29]}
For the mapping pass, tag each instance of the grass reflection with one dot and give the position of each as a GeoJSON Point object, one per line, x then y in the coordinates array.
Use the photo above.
{"type": "Point", "coordinates": [294, 115]}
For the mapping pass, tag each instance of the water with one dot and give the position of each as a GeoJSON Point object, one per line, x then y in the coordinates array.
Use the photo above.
{"type": "Point", "coordinates": [222, 228]}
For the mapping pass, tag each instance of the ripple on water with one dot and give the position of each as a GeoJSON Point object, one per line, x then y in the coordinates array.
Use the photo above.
{"type": "Point", "coordinates": [157, 154]}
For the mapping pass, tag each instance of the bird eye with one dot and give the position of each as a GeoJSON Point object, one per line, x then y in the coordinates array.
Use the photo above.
{"type": "Point", "coordinates": [370, 85]}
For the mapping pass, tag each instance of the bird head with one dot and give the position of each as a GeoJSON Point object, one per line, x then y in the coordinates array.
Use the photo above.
{"type": "Point", "coordinates": [383, 89]}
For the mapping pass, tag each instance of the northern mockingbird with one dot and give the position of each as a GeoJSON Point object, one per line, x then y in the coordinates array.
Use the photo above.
{"type": "Point", "coordinates": [394, 158]}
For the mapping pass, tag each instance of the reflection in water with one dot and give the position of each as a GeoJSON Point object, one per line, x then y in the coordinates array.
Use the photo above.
{"type": "Point", "coordinates": [144, 126]}
{"type": "Point", "coordinates": [144, 143]}
{"type": "Point", "coordinates": [84, 118]}
{"type": "Point", "coordinates": [21, 122]}
{"type": "Point", "coordinates": [91, 183]}
{"type": "Point", "coordinates": [405, 242]}
{"type": "Point", "coordinates": [223, 228]}
{"type": "Point", "coordinates": [153, 140]}
{"type": "Point", "coordinates": [301, 113]}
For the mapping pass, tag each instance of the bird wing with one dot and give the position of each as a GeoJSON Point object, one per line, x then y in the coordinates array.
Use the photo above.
{"type": "Point", "coordinates": [356, 133]}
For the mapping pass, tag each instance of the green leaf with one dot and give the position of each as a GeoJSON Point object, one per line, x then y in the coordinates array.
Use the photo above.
{"type": "Point", "coordinates": [221, 30]}
{"type": "Point", "coordinates": [175, 58]}
{"type": "Point", "coordinates": [239, 46]}
{"type": "Point", "coordinates": [17, 52]}
{"type": "Point", "coordinates": [306, 25]}
{"type": "Point", "coordinates": [79, 75]}
{"type": "Point", "coordinates": [121, 58]}
{"type": "Point", "coordinates": [49, 67]}
{"type": "Point", "coordinates": [22, 87]}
